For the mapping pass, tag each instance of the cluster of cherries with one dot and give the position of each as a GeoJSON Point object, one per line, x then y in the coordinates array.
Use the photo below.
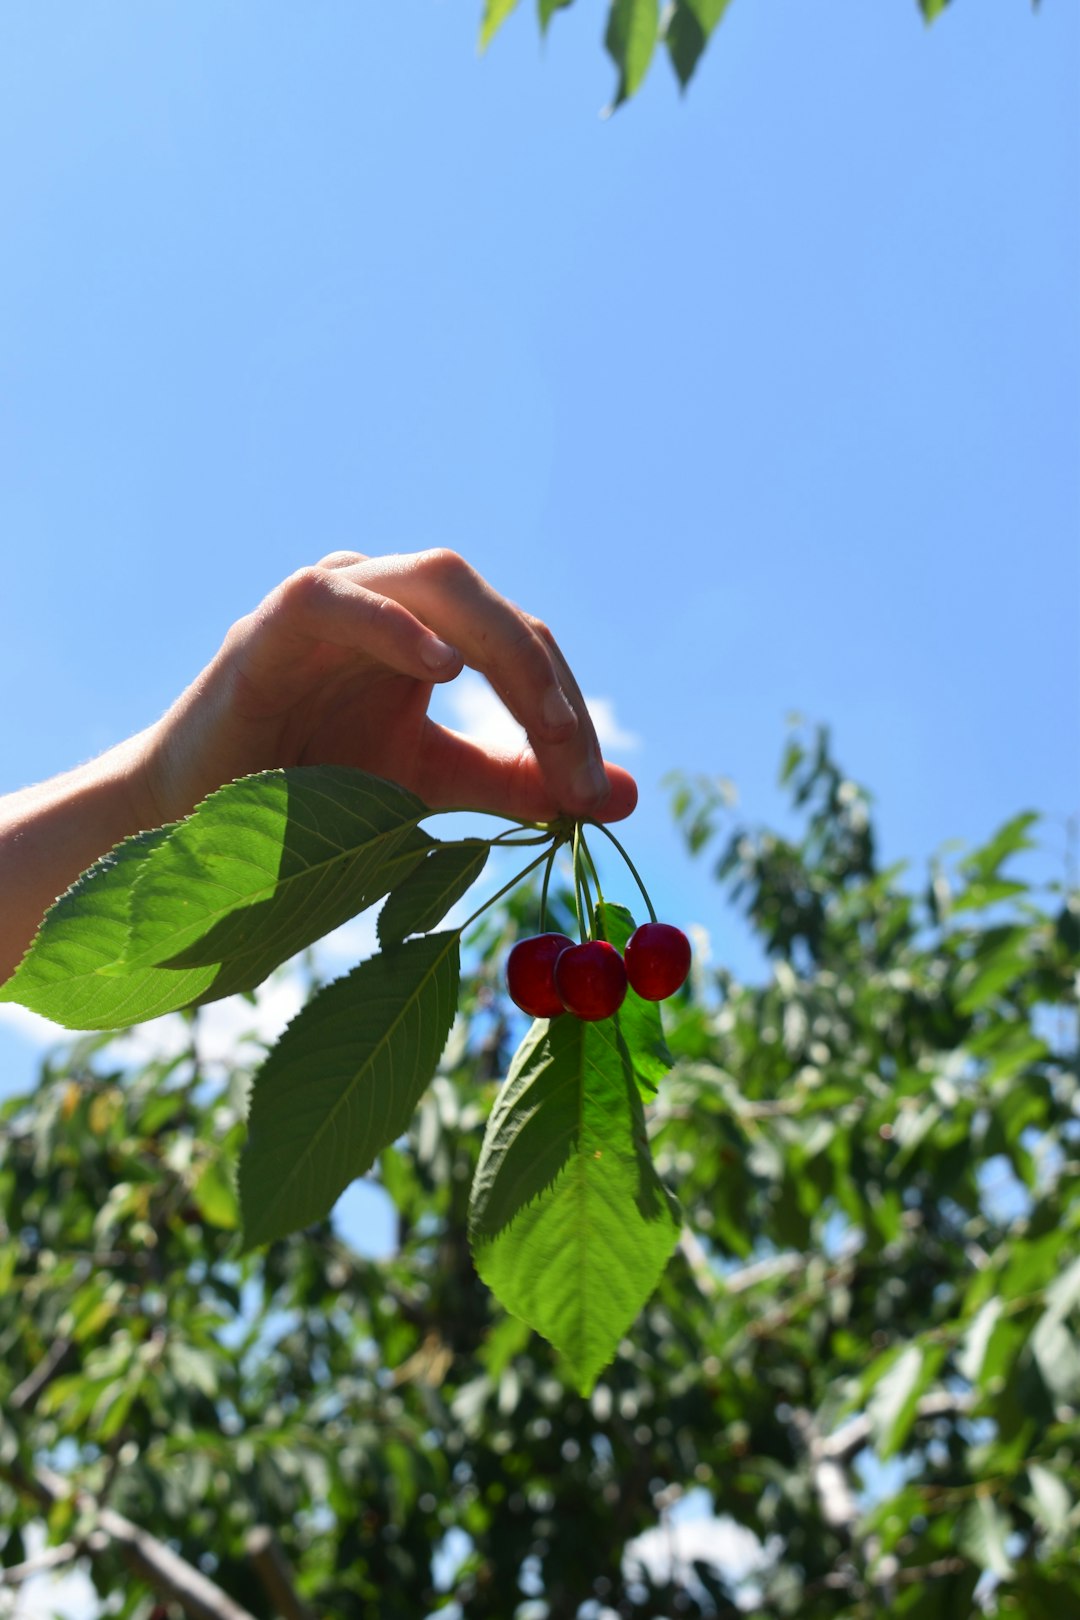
{"type": "Point", "coordinates": [548, 974]}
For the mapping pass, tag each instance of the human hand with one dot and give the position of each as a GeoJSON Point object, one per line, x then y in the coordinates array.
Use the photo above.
{"type": "Point", "coordinates": [337, 666]}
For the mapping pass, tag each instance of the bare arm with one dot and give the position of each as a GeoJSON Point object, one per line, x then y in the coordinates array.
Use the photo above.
{"type": "Point", "coordinates": [335, 666]}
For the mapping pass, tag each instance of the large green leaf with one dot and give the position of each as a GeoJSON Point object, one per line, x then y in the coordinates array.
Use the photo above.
{"type": "Point", "coordinates": [570, 1224]}
{"type": "Point", "coordinates": [269, 864]}
{"type": "Point", "coordinates": [343, 1081]}
{"type": "Point", "coordinates": [72, 971]}
{"type": "Point", "coordinates": [688, 28]}
{"type": "Point", "coordinates": [436, 883]}
{"type": "Point", "coordinates": [631, 39]}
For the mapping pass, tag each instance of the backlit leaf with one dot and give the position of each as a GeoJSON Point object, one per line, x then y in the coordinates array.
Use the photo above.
{"type": "Point", "coordinates": [892, 1407]}
{"type": "Point", "coordinates": [72, 972]}
{"type": "Point", "coordinates": [982, 1532]}
{"type": "Point", "coordinates": [631, 39]}
{"type": "Point", "coordinates": [1053, 1503]}
{"type": "Point", "coordinates": [570, 1224]}
{"type": "Point", "coordinates": [495, 14]}
{"type": "Point", "coordinates": [267, 865]}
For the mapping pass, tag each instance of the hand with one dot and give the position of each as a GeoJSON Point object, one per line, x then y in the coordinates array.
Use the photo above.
{"type": "Point", "coordinates": [337, 666]}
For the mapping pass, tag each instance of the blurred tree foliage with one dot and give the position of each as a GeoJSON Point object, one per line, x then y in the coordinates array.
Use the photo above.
{"type": "Point", "coordinates": [865, 1352]}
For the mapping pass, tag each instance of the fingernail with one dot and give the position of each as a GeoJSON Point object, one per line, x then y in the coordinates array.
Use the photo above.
{"type": "Point", "coordinates": [557, 709]}
{"type": "Point", "coordinates": [437, 654]}
{"type": "Point", "coordinates": [591, 782]}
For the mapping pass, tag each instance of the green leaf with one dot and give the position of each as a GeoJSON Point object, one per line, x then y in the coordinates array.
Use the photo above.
{"type": "Point", "coordinates": [972, 1354]}
{"type": "Point", "coordinates": [267, 865]}
{"type": "Point", "coordinates": [495, 14]}
{"type": "Point", "coordinates": [631, 39]}
{"type": "Point", "coordinates": [1002, 967]}
{"type": "Point", "coordinates": [689, 26]}
{"type": "Point", "coordinates": [192, 1368]}
{"type": "Point", "coordinates": [983, 865]}
{"type": "Point", "coordinates": [638, 1020]}
{"type": "Point", "coordinates": [70, 973]}
{"type": "Point", "coordinates": [421, 901]}
{"type": "Point", "coordinates": [1052, 1501]}
{"type": "Point", "coordinates": [546, 9]}
{"type": "Point", "coordinates": [932, 8]}
{"type": "Point", "coordinates": [343, 1081]}
{"type": "Point", "coordinates": [214, 1193]}
{"type": "Point", "coordinates": [570, 1224]}
{"type": "Point", "coordinates": [979, 896]}
{"type": "Point", "coordinates": [982, 1532]}
{"type": "Point", "coordinates": [892, 1407]}
{"type": "Point", "coordinates": [1053, 1345]}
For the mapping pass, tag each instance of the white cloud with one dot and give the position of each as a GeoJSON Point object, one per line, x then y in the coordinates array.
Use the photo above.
{"type": "Point", "coordinates": [613, 739]}
{"type": "Point", "coordinates": [476, 710]}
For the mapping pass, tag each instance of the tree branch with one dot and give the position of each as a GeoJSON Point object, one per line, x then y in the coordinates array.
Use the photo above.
{"type": "Point", "coordinates": [24, 1395]}
{"type": "Point", "coordinates": [272, 1567]}
{"type": "Point", "coordinates": [169, 1574]}
{"type": "Point", "coordinates": [843, 1443]}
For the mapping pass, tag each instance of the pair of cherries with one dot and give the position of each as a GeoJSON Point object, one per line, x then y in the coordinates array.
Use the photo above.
{"type": "Point", "coordinates": [548, 974]}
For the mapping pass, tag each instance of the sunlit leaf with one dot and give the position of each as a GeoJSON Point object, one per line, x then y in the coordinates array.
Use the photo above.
{"type": "Point", "coordinates": [73, 971]}
{"type": "Point", "coordinates": [631, 39]}
{"type": "Point", "coordinates": [982, 1533]}
{"type": "Point", "coordinates": [267, 865]}
{"type": "Point", "coordinates": [495, 14]}
{"type": "Point", "coordinates": [570, 1224]}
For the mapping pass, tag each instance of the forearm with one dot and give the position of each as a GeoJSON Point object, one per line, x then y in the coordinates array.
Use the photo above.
{"type": "Point", "coordinates": [52, 832]}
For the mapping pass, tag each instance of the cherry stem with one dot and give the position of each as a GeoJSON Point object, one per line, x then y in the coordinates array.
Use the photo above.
{"type": "Point", "coordinates": [581, 887]}
{"type": "Point", "coordinates": [513, 883]}
{"type": "Point", "coordinates": [600, 902]}
{"type": "Point", "coordinates": [544, 887]}
{"type": "Point", "coordinates": [506, 840]}
{"type": "Point", "coordinates": [633, 869]}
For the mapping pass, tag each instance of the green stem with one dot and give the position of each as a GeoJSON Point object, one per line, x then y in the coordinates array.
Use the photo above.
{"type": "Point", "coordinates": [581, 888]}
{"type": "Point", "coordinates": [544, 887]}
{"type": "Point", "coordinates": [633, 869]}
{"type": "Point", "coordinates": [506, 840]}
{"type": "Point", "coordinates": [513, 883]}
{"type": "Point", "coordinates": [587, 853]}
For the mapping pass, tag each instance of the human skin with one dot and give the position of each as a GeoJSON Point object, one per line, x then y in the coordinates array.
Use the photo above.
{"type": "Point", "coordinates": [335, 667]}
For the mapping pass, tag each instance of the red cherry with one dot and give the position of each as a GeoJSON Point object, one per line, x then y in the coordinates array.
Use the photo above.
{"type": "Point", "coordinates": [591, 980]}
{"type": "Point", "coordinates": [530, 974]}
{"type": "Point", "coordinates": [657, 960]}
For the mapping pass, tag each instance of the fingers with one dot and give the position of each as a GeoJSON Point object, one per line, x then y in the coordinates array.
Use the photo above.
{"type": "Point", "coordinates": [517, 654]}
{"type": "Point", "coordinates": [325, 604]}
{"type": "Point", "coordinates": [455, 771]}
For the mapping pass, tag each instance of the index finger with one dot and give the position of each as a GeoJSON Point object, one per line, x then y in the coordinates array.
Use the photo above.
{"type": "Point", "coordinates": [517, 654]}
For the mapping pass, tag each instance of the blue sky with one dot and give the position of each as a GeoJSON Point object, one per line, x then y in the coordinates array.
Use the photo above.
{"type": "Point", "coordinates": [766, 398]}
